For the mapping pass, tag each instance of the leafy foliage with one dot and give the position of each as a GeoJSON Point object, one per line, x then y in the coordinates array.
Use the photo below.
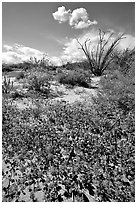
{"type": "Point", "coordinates": [75, 152]}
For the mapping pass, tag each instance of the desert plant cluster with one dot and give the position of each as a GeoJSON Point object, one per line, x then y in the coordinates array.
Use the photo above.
{"type": "Point", "coordinates": [75, 77]}
{"type": "Point", "coordinates": [77, 152]}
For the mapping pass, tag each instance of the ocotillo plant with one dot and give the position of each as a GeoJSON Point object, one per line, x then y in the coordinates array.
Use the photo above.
{"type": "Point", "coordinates": [100, 59]}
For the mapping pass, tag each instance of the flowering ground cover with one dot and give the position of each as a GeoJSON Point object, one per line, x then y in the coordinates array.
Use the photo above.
{"type": "Point", "coordinates": [81, 152]}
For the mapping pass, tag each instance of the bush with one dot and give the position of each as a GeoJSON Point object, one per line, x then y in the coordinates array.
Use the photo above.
{"type": "Point", "coordinates": [17, 95]}
{"type": "Point", "coordinates": [119, 87]}
{"type": "Point", "coordinates": [20, 75]}
{"type": "Point", "coordinates": [77, 65]}
{"type": "Point", "coordinates": [126, 61]}
{"type": "Point", "coordinates": [40, 84]}
{"type": "Point", "coordinates": [73, 78]}
{"type": "Point", "coordinates": [7, 68]}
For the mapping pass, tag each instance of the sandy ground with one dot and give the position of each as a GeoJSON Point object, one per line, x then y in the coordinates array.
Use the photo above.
{"type": "Point", "coordinates": [69, 95]}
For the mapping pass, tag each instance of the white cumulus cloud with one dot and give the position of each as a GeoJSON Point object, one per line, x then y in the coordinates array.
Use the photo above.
{"type": "Point", "coordinates": [78, 18]}
{"type": "Point", "coordinates": [61, 14]}
{"type": "Point", "coordinates": [83, 24]}
{"type": "Point", "coordinates": [71, 51]}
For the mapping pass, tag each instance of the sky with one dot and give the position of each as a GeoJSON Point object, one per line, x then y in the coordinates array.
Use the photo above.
{"type": "Point", "coordinates": [30, 29]}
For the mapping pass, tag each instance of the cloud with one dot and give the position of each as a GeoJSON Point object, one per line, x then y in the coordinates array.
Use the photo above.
{"type": "Point", "coordinates": [78, 18]}
{"type": "Point", "coordinates": [62, 15]}
{"type": "Point", "coordinates": [56, 61]}
{"type": "Point", "coordinates": [29, 51]}
{"type": "Point", "coordinates": [128, 42]}
{"type": "Point", "coordinates": [19, 53]}
{"type": "Point", "coordinates": [83, 24]}
{"type": "Point", "coordinates": [72, 51]}
{"type": "Point", "coordinates": [7, 47]}
{"type": "Point", "coordinates": [12, 57]}
{"type": "Point", "coordinates": [9, 57]}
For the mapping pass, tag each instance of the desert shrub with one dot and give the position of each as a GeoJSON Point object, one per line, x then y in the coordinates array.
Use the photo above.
{"type": "Point", "coordinates": [17, 95]}
{"type": "Point", "coordinates": [44, 62]}
{"type": "Point", "coordinates": [25, 66]}
{"type": "Point", "coordinates": [20, 75]}
{"type": "Point", "coordinates": [76, 65]}
{"type": "Point", "coordinates": [120, 88]}
{"type": "Point", "coordinates": [12, 67]}
{"type": "Point", "coordinates": [7, 68]}
{"type": "Point", "coordinates": [73, 78]}
{"type": "Point", "coordinates": [60, 70]}
{"type": "Point", "coordinates": [81, 65]}
{"type": "Point", "coordinates": [68, 66]}
{"type": "Point", "coordinates": [125, 60]}
{"type": "Point", "coordinates": [39, 84]}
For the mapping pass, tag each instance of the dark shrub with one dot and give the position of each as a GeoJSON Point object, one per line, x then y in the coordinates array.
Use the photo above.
{"type": "Point", "coordinates": [17, 95]}
{"type": "Point", "coordinates": [79, 77]}
{"type": "Point", "coordinates": [7, 68]}
{"type": "Point", "coordinates": [20, 75]}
